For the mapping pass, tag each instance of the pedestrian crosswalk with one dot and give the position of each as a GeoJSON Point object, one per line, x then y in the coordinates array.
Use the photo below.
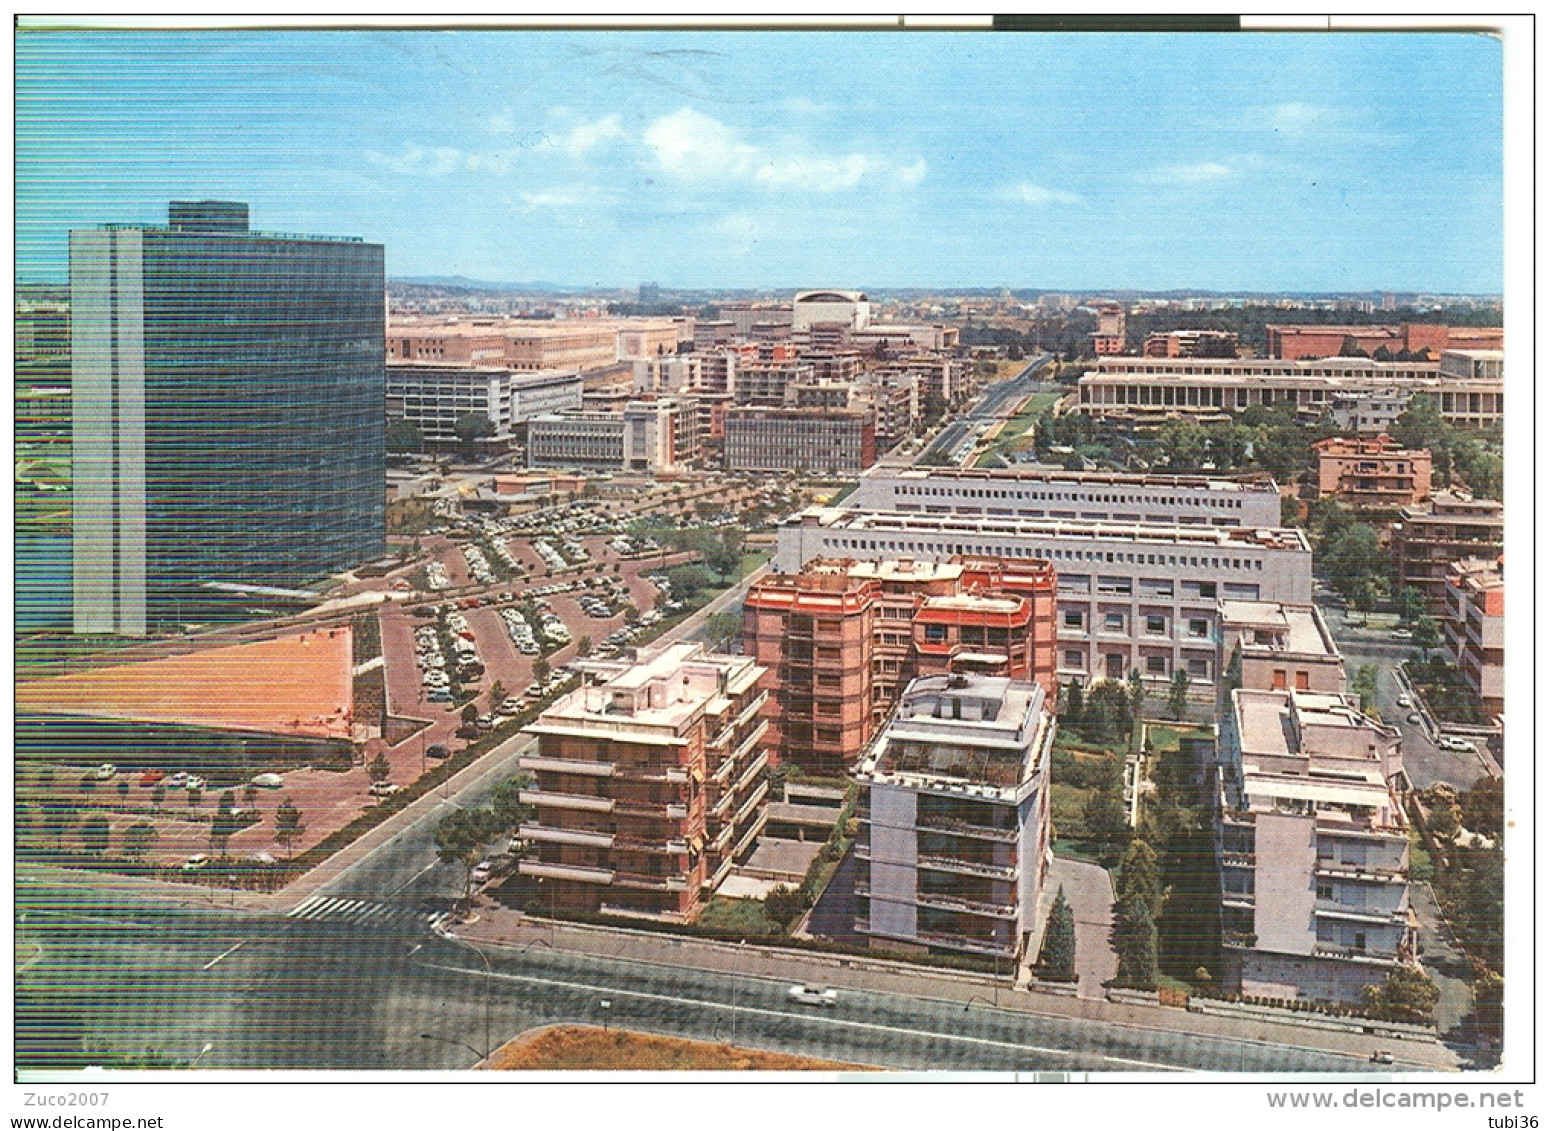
{"type": "Point", "coordinates": [363, 912]}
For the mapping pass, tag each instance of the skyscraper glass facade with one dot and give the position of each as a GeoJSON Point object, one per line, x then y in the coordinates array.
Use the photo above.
{"type": "Point", "coordinates": [229, 392]}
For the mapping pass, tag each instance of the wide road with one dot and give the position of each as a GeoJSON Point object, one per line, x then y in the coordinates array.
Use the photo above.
{"type": "Point", "coordinates": [989, 407]}
{"type": "Point", "coordinates": [382, 992]}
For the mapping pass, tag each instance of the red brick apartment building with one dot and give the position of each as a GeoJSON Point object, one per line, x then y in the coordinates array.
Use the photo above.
{"type": "Point", "coordinates": [649, 785]}
{"type": "Point", "coordinates": [1292, 343]}
{"type": "Point", "coordinates": [1372, 475]}
{"type": "Point", "coordinates": [1475, 628]}
{"type": "Point", "coordinates": [841, 639]}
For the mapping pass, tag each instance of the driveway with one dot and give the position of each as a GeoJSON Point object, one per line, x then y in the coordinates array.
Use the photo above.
{"type": "Point", "coordinates": [1090, 895]}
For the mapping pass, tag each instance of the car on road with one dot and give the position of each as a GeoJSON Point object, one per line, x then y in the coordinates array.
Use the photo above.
{"type": "Point", "coordinates": [178, 780]}
{"type": "Point", "coordinates": [383, 789]}
{"type": "Point", "coordinates": [195, 862]}
{"type": "Point", "coordinates": [269, 781]}
{"type": "Point", "coordinates": [1404, 701]}
{"type": "Point", "coordinates": [1459, 745]}
{"type": "Point", "coordinates": [810, 994]}
{"type": "Point", "coordinates": [105, 771]}
{"type": "Point", "coordinates": [437, 751]}
{"type": "Point", "coordinates": [193, 782]}
{"type": "Point", "coordinates": [482, 871]}
{"type": "Point", "coordinates": [1414, 718]}
{"type": "Point", "coordinates": [1401, 634]}
{"type": "Point", "coordinates": [151, 777]}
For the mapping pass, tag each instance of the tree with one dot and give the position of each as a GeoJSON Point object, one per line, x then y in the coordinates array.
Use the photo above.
{"type": "Point", "coordinates": [1482, 807]}
{"type": "Point", "coordinates": [1407, 996]}
{"type": "Point", "coordinates": [785, 904]}
{"type": "Point", "coordinates": [470, 713]}
{"type": "Point", "coordinates": [1137, 693]}
{"type": "Point", "coordinates": [1139, 876]}
{"type": "Point", "coordinates": [1134, 940]}
{"type": "Point", "coordinates": [1178, 694]}
{"type": "Point", "coordinates": [472, 426]}
{"type": "Point", "coordinates": [1106, 819]}
{"type": "Point", "coordinates": [506, 804]}
{"type": "Point", "coordinates": [1109, 715]}
{"type": "Point", "coordinates": [403, 436]}
{"type": "Point", "coordinates": [1426, 635]}
{"type": "Point", "coordinates": [140, 839]}
{"type": "Point", "coordinates": [123, 788]}
{"type": "Point", "coordinates": [631, 614]}
{"type": "Point", "coordinates": [1365, 685]}
{"type": "Point", "coordinates": [1420, 425]}
{"type": "Point", "coordinates": [541, 670]}
{"type": "Point", "coordinates": [94, 834]}
{"type": "Point", "coordinates": [1364, 597]}
{"type": "Point", "coordinates": [1411, 604]}
{"type": "Point", "coordinates": [497, 695]}
{"type": "Point", "coordinates": [1057, 956]}
{"type": "Point", "coordinates": [379, 769]}
{"type": "Point", "coordinates": [288, 825]}
{"type": "Point", "coordinates": [57, 819]}
{"type": "Point", "coordinates": [460, 839]}
{"type": "Point", "coordinates": [583, 646]}
{"type": "Point", "coordinates": [1075, 704]}
{"type": "Point", "coordinates": [223, 824]}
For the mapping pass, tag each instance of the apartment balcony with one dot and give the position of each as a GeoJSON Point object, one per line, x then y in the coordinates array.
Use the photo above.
{"type": "Point", "coordinates": [862, 925]}
{"type": "Point", "coordinates": [547, 835]}
{"type": "Point", "coordinates": [1397, 917]}
{"type": "Point", "coordinates": [1371, 873]}
{"type": "Point", "coordinates": [750, 834]}
{"type": "Point", "coordinates": [959, 866]}
{"type": "Point", "coordinates": [945, 902]}
{"type": "Point", "coordinates": [751, 803]}
{"type": "Point", "coordinates": [548, 799]}
{"type": "Point", "coordinates": [675, 774]}
{"type": "Point", "coordinates": [568, 766]}
{"type": "Point", "coordinates": [1241, 940]}
{"type": "Point", "coordinates": [659, 810]}
{"type": "Point", "coordinates": [1351, 954]}
{"type": "Point", "coordinates": [565, 872]}
{"type": "Point", "coordinates": [747, 776]}
{"type": "Point", "coordinates": [1241, 901]}
{"type": "Point", "coordinates": [644, 882]}
{"type": "Point", "coordinates": [862, 851]}
{"type": "Point", "coordinates": [965, 828]}
{"type": "Point", "coordinates": [672, 847]}
{"type": "Point", "coordinates": [649, 916]}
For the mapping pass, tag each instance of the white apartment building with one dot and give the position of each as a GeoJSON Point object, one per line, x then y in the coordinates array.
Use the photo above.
{"type": "Point", "coordinates": [1046, 493]}
{"type": "Point", "coordinates": [1314, 847]}
{"type": "Point", "coordinates": [1131, 596]}
{"type": "Point", "coordinates": [954, 818]}
{"type": "Point", "coordinates": [432, 397]}
{"type": "Point", "coordinates": [646, 436]}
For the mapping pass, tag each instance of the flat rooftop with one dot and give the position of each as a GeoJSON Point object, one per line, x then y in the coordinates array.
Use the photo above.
{"type": "Point", "coordinates": [840, 519]}
{"type": "Point", "coordinates": [661, 691]}
{"type": "Point", "coordinates": [1297, 627]}
{"type": "Point", "coordinates": [1075, 478]}
{"type": "Point", "coordinates": [297, 685]}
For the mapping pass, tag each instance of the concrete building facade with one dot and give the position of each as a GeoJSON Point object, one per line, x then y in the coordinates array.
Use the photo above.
{"type": "Point", "coordinates": [799, 439]}
{"type": "Point", "coordinates": [1136, 597]}
{"type": "Point", "coordinates": [649, 784]}
{"type": "Point", "coordinates": [433, 396]}
{"type": "Point", "coordinates": [1474, 628]}
{"type": "Point", "coordinates": [1373, 476]}
{"type": "Point", "coordinates": [954, 819]}
{"type": "Point", "coordinates": [1280, 647]}
{"type": "Point", "coordinates": [1084, 495]}
{"type": "Point", "coordinates": [1314, 848]}
{"type": "Point", "coordinates": [1428, 537]}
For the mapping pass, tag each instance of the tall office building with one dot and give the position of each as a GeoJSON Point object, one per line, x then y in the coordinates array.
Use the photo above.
{"type": "Point", "coordinates": [228, 410]}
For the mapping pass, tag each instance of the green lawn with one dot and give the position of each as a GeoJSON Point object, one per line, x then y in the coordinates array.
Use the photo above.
{"type": "Point", "coordinates": [1166, 738]}
{"type": "Point", "coordinates": [737, 917]}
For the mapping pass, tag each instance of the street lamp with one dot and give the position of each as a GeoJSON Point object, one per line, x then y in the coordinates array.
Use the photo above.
{"type": "Point", "coordinates": [606, 1005]}
{"type": "Point", "coordinates": [489, 980]}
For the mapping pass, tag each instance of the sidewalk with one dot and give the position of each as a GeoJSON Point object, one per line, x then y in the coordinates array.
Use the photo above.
{"type": "Point", "coordinates": [498, 926]}
{"type": "Point", "coordinates": [1089, 892]}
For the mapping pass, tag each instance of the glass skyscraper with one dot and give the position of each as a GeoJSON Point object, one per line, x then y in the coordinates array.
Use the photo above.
{"type": "Point", "coordinates": [228, 411]}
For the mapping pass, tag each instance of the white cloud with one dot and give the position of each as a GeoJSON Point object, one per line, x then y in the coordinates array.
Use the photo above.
{"type": "Point", "coordinates": [1037, 196]}
{"type": "Point", "coordinates": [420, 160]}
{"type": "Point", "coordinates": [589, 135]}
{"type": "Point", "coordinates": [1199, 173]}
{"type": "Point", "coordinates": [555, 198]}
{"type": "Point", "coordinates": [502, 123]}
{"type": "Point", "coordinates": [693, 146]}
{"type": "Point", "coordinates": [1297, 117]}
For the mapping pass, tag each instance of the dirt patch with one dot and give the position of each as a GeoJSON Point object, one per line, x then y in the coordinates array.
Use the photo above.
{"type": "Point", "coordinates": [583, 1047]}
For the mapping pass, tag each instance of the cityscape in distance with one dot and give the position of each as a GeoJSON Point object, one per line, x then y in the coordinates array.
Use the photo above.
{"type": "Point", "coordinates": [997, 575]}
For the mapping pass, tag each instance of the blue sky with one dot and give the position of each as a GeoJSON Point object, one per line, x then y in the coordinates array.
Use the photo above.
{"type": "Point", "coordinates": [1229, 162]}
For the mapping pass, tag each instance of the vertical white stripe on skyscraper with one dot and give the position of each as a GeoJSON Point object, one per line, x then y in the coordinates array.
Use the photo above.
{"type": "Point", "coordinates": [130, 307]}
{"type": "Point", "coordinates": [91, 429]}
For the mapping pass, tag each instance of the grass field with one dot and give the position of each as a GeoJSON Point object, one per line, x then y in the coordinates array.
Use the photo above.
{"type": "Point", "coordinates": [581, 1047]}
{"type": "Point", "coordinates": [737, 917]}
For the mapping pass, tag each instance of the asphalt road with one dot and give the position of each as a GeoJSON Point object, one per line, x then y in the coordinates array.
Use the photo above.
{"type": "Point", "coordinates": [1424, 761]}
{"type": "Point", "coordinates": [266, 991]}
{"type": "Point", "coordinates": [988, 408]}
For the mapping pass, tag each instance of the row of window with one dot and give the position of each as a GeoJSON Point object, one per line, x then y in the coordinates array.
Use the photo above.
{"type": "Point", "coordinates": [1198, 667]}
{"type": "Point", "coordinates": [1216, 501]}
{"type": "Point", "coordinates": [1195, 561]}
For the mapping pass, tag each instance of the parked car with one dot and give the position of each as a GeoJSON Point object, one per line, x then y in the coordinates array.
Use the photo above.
{"type": "Point", "coordinates": [810, 994]}
{"type": "Point", "coordinates": [1401, 634]}
{"type": "Point", "coordinates": [269, 781]}
{"type": "Point", "coordinates": [1405, 701]}
{"type": "Point", "coordinates": [105, 771]}
{"type": "Point", "coordinates": [482, 871]}
{"type": "Point", "coordinates": [1414, 718]}
{"type": "Point", "coordinates": [437, 751]}
{"type": "Point", "coordinates": [383, 789]}
{"type": "Point", "coordinates": [151, 777]}
{"type": "Point", "coordinates": [195, 862]}
{"type": "Point", "coordinates": [193, 782]}
{"type": "Point", "coordinates": [1460, 745]}
{"type": "Point", "coordinates": [178, 780]}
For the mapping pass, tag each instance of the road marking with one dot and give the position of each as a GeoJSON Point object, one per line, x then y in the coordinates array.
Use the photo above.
{"type": "Point", "coordinates": [416, 876]}
{"type": "Point", "coordinates": [227, 954]}
{"type": "Point", "coordinates": [786, 1014]}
